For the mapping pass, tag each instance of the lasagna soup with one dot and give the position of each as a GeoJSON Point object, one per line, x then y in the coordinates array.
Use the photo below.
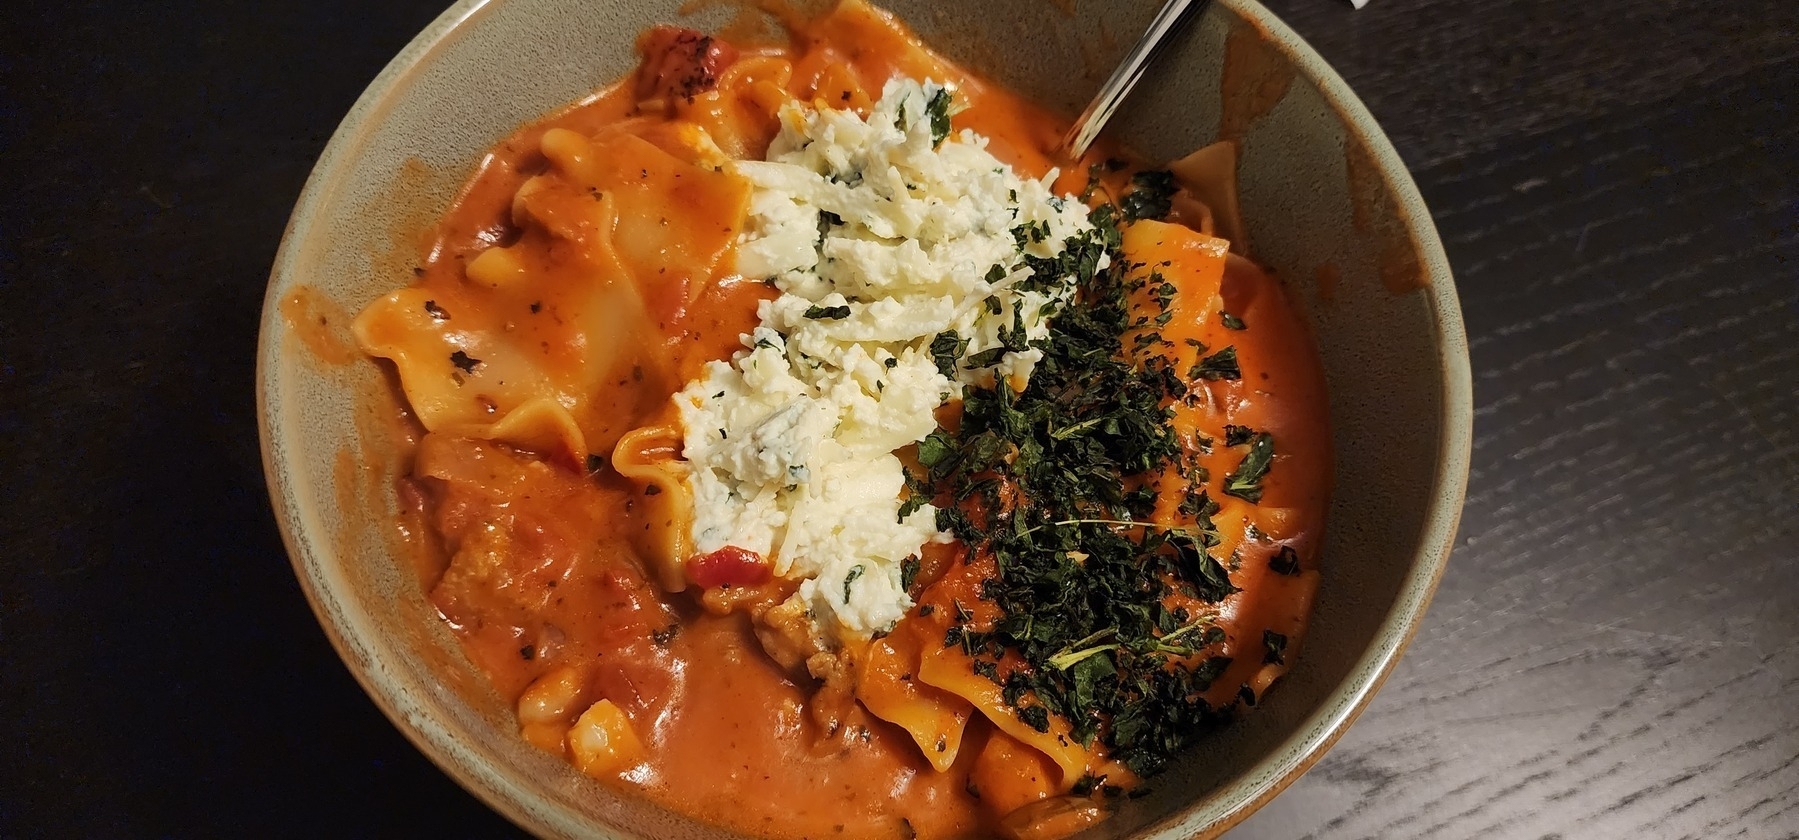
{"type": "Point", "coordinates": [807, 445]}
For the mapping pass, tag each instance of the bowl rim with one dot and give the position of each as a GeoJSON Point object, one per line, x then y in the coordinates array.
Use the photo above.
{"type": "Point", "coordinates": [1236, 800]}
{"type": "Point", "coordinates": [1449, 478]}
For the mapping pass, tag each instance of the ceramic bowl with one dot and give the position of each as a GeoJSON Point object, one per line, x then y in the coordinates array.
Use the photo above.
{"type": "Point", "coordinates": [1329, 206]}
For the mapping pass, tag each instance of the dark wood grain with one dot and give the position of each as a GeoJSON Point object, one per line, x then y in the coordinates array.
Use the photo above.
{"type": "Point", "coordinates": [1448, 79]}
{"type": "Point", "coordinates": [162, 675]}
{"type": "Point", "coordinates": [1613, 652]}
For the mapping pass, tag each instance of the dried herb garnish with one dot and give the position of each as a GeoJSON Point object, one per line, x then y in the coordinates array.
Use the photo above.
{"type": "Point", "coordinates": [1097, 172]}
{"type": "Point", "coordinates": [464, 362]}
{"type": "Point", "coordinates": [435, 311]}
{"type": "Point", "coordinates": [1083, 586]}
{"type": "Point", "coordinates": [1245, 482]}
{"type": "Point", "coordinates": [1231, 322]}
{"type": "Point", "coordinates": [827, 313]}
{"type": "Point", "coordinates": [1285, 561]}
{"type": "Point", "coordinates": [826, 221]}
{"type": "Point", "coordinates": [1151, 195]}
{"type": "Point", "coordinates": [913, 504]}
{"type": "Point", "coordinates": [1275, 647]}
{"type": "Point", "coordinates": [938, 111]}
{"type": "Point", "coordinates": [854, 573]}
{"type": "Point", "coordinates": [987, 358]}
{"type": "Point", "coordinates": [947, 348]}
{"type": "Point", "coordinates": [1219, 365]}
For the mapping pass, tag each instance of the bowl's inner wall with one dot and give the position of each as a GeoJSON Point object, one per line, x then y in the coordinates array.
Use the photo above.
{"type": "Point", "coordinates": [355, 237]}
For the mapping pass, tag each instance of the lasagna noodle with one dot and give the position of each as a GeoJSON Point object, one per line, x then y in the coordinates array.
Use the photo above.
{"type": "Point", "coordinates": [952, 670]}
{"type": "Point", "coordinates": [1208, 197]}
{"type": "Point", "coordinates": [740, 117]}
{"type": "Point", "coordinates": [538, 348]}
{"type": "Point", "coordinates": [1193, 263]}
{"type": "Point", "coordinates": [891, 688]}
{"type": "Point", "coordinates": [650, 457]}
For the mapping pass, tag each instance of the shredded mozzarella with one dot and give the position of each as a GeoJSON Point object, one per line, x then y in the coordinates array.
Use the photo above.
{"type": "Point", "coordinates": [881, 241]}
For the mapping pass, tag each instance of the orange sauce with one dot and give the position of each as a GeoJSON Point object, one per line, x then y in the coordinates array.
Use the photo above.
{"type": "Point", "coordinates": [1256, 78]}
{"type": "Point", "coordinates": [319, 324]}
{"type": "Point", "coordinates": [545, 576]}
{"type": "Point", "coordinates": [1397, 261]}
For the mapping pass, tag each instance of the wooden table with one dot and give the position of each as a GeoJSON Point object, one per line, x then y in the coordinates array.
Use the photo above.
{"type": "Point", "coordinates": [1612, 653]}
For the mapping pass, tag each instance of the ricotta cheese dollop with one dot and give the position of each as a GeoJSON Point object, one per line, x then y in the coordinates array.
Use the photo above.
{"type": "Point", "coordinates": [899, 249]}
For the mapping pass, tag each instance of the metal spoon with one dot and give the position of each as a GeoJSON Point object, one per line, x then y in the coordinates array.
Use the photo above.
{"type": "Point", "coordinates": [1167, 22]}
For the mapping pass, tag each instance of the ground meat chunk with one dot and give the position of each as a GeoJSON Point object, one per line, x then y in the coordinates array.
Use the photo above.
{"type": "Point", "coordinates": [680, 63]}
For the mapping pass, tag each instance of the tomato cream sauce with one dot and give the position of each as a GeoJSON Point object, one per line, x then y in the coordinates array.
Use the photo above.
{"type": "Point", "coordinates": [547, 577]}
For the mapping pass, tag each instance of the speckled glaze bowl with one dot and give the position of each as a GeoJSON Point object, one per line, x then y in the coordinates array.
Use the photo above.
{"type": "Point", "coordinates": [1329, 207]}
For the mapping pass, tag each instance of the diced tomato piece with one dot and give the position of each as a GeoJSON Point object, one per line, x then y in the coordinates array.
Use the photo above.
{"type": "Point", "coordinates": [680, 63]}
{"type": "Point", "coordinates": [728, 566]}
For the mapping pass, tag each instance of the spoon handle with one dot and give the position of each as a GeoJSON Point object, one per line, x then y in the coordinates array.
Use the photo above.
{"type": "Point", "coordinates": [1087, 126]}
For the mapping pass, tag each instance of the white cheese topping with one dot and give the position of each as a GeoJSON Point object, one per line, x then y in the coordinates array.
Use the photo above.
{"type": "Point", "coordinates": [880, 241]}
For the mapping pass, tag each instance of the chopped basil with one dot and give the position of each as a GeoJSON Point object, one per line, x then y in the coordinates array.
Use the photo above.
{"type": "Point", "coordinates": [828, 313]}
{"type": "Point", "coordinates": [1219, 365]}
{"type": "Point", "coordinates": [1245, 482]}
{"type": "Point", "coordinates": [1074, 442]}
{"type": "Point", "coordinates": [854, 573]}
{"type": "Point", "coordinates": [1151, 195]}
{"type": "Point", "coordinates": [1275, 645]}
{"type": "Point", "coordinates": [938, 110]}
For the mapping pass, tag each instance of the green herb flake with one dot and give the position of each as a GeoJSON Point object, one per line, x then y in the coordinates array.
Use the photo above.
{"type": "Point", "coordinates": [1151, 195]}
{"type": "Point", "coordinates": [1075, 442]}
{"type": "Point", "coordinates": [827, 313]}
{"type": "Point", "coordinates": [1219, 365]}
{"type": "Point", "coordinates": [1245, 482]}
{"type": "Point", "coordinates": [986, 358]}
{"type": "Point", "coordinates": [938, 111]}
{"type": "Point", "coordinates": [911, 505]}
{"type": "Point", "coordinates": [947, 348]}
{"type": "Point", "coordinates": [1275, 647]}
{"type": "Point", "coordinates": [854, 573]}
